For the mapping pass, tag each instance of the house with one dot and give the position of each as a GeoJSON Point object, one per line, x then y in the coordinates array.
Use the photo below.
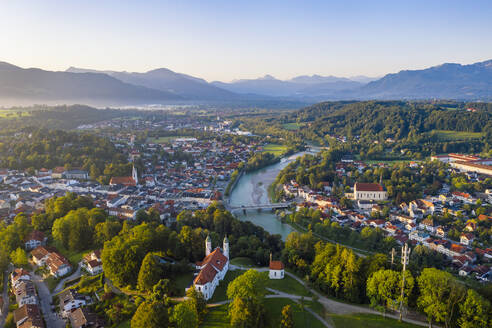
{"type": "Point", "coordinates": [35, 239]}
{"type": "Point", "coordinates": [369, 191]}
{"type": "Point", "coordinates": [465, 270]}
{"type": "Point", "coordinates": [57, 172]}
{"type": "Point", "coordinates": [40, 255]}
{"type": "Point", "coordinates": [92, 262]}
{"type": "Point", "coordinates": [441, 231]}
{"type": "Point", "coordinates": [58, 264]}
{"type": "Point", "coordinates": [428, 224]}
{"type": "Point", "coordinates": [25, 293]}
{"type": "Point", "coordinates": [467, 239]}
{"type": "Point", "coordinates": [213, 268]}
{"type": "Point", "coordinates": [19, 275]}
{"type": "Point", "coordinates": [83, 318]}
{"type": "Point", "coordinates": [28, 316]}
{"type": "Point", "coordinates": [276, 269]}
{"type": "Point", "coordinates": [76, 174]}
{"type": "Point", "coordinates": [71, 300]}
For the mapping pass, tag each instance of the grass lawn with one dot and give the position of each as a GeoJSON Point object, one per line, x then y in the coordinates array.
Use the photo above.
{"type": "Point", "coordinates": [159, 140]}
{"type": "Point", "coordinates": [447, 135]}
{"type": "Point", "coordinates": [183, 281]}
{"type": "Point", "coordinates": [9, 113]}
{"type": "Point", "coordinates": [220, 293]}
{"type": "Point", "coordinates": [293, 126]}
{"type": "Point", "coordinates": [301, 318]}
{"type": "Point", "coordinates": [367, 321]}
{"type": "Point", "coordinates": [217, 316]}
{"type": "Point", "coordinates": [395, 161]}
{"type": "Point", "coordinates": [243, 261]}
{"type": "Point", "coordinates": [275, 149]}
{"type": "Point", "coordinates": [287, 285]}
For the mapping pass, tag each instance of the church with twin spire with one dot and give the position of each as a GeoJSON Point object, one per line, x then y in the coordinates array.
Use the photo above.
{"type": "Point", "coordinates": [213, 268]}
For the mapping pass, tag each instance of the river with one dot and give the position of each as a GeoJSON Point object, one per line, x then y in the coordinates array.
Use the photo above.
{"type": "Point", "coordinates": [252, 189]}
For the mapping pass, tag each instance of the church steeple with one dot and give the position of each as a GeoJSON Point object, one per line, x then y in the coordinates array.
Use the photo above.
{"type": "Point", "coordinates": [208, 246]}
{"type": "Point", "coordinates": [134, 174]}
{"type": "Point", "coordinates": [225, 247]}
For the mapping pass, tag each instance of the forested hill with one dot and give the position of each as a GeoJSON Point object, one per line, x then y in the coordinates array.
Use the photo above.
{"type": "Point", "coordinates": [394, 119]}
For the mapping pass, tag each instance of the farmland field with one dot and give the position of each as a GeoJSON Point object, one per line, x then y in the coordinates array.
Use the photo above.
{"type": "Point", "coordinates": [446, 135]}
{"type": "Point", "coordinates": [275, 149]}
{"type": "Point", "coordinates": [293, 126]}
{"type": "Point", "coordinates": [167, 139]}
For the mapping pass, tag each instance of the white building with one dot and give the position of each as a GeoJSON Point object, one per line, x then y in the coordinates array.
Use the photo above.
{"type": "Point", "coordinates": [213, 268]}
{"type": "Point", "coordinates": [276, 269]}
{"type": "Point", "coordinates": [369, 191]}
{"type": "Point", "coordinates": [71, 300]}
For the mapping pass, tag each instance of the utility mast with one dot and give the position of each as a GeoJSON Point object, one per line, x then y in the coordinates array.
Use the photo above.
{"type": "Point", "coordinates": [392, 256]}
{"type": "Point", "coordinates": [405, 258]}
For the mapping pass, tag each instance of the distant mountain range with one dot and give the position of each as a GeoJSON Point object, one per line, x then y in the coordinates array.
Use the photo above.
{"type": "Point", "coordinates": [19, 85]}
{"type": "Point", "coordinates": [163, 86]}
{"type": "Point", "coordinates": [447, 81]}
{"type": "Point", "coordinates": [163, 79]}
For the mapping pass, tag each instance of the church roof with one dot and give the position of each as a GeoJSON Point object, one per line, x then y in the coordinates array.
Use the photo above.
{"type": "Point", "coordinates": [213, 263]}
{"type": "Point", "coordinates": [276, 265]}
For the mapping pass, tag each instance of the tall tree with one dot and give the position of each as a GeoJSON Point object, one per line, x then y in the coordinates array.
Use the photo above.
{"type": "Point", "coordinates": [184, 315]}
{"type": "Point", "coordinates": [439, 295]}
{"type": "Point", "coordinates": [247, 292]}
{"type": "Point", "coordinates": [384, 289]}
{"type": "Point", "coordinates": [475, 311]}
{"type": "Point", "coordinates": [287, 320]}
{"type": "Point", "coordinates": [150, 273]}
{"type": "Point", "coordinates": [150, 315]}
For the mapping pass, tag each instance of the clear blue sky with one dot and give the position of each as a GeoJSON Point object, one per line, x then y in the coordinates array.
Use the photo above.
{"type": "Point", "coordinates": [224, 40]}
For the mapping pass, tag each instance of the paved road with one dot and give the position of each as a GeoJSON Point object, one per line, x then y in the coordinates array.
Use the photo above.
{"type": "Point", "coordinates": [5, 296]}
{"type": "Point", "coordinates": [52, 319]}
{"type": "Point", "coordinates": [73, 276]}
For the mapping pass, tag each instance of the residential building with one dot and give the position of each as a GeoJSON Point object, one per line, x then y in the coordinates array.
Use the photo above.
{"type": "Point", "coordinates": [70, 300]}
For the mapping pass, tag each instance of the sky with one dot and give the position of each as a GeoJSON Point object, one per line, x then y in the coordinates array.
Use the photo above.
{"type": "Point", "coordinates": [233, 39]}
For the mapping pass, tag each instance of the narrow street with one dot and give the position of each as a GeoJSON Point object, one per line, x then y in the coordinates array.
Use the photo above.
{"type": "Point", "coordinates": [52, 319]}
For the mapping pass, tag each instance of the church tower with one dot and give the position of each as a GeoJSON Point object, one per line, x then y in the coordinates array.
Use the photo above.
{"type": "Point", "coordinates": [225, 247]}
{"type": "Point", "coordinates": [208, 246]}
{"type": "Point", "coordinates": [134, 175]}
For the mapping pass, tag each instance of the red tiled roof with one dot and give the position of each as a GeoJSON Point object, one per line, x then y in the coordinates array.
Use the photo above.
{"type": "Point", "coordinates": [126, 181]}
{"type": "Point", "coordinates": [368, 186]}
{"type": "Point", "coordinates": [276, 265]}
{"type": "Point", "coordinates": [36, 235]}
{"type": "Point", "coordinates": [40, 252]}
{"type": "Point", "coordinates": [212, 264]}
{"type": "Point", "coordinates": [207, 274]}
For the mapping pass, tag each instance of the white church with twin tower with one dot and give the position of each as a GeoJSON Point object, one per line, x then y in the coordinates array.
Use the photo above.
{"type": "Point", "coordinates": [213, 268]}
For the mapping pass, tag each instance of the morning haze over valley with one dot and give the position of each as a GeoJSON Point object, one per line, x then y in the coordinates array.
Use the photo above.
{"type": "Point", "coordinates": [243, 164]}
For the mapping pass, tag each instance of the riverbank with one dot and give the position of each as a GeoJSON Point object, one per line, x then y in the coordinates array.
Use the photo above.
{"type": "Point", "coordinates": [252, 189]}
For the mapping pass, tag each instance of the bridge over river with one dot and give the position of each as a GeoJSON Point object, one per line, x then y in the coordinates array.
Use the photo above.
{"type": "Point", "coordinates": [271, 206]}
